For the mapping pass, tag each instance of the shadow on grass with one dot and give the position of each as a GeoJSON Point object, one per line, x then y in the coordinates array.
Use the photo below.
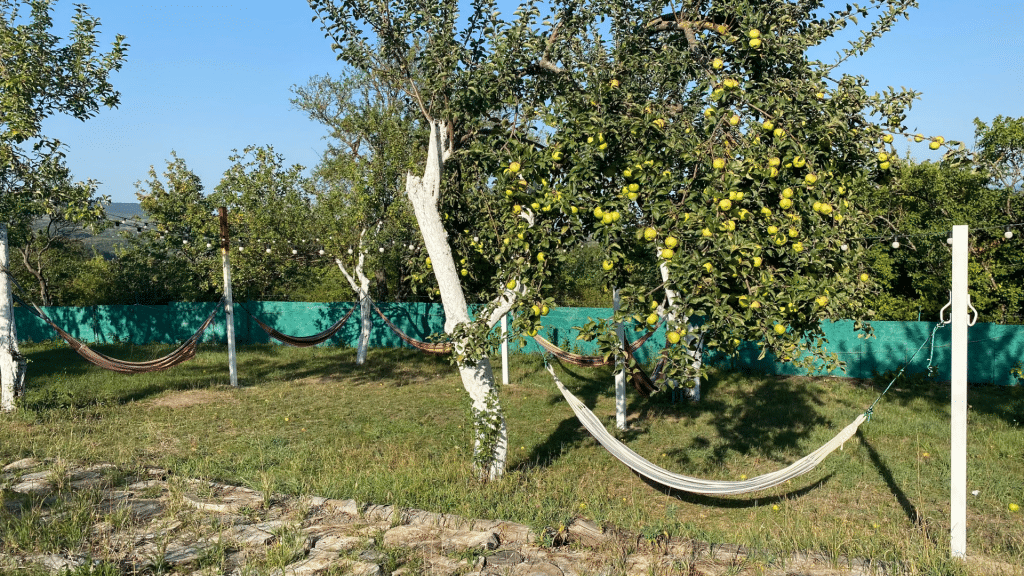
{"type": "Point", "coordinates": [908, 507]}
{"type": "Point", "coordinates": [733, 501]}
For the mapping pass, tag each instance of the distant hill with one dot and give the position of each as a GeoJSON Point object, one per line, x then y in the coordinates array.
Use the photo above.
{"type": "Point", "coordinates": [104, 242]}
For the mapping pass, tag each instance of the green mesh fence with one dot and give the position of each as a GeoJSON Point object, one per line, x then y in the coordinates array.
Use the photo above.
{"type": "Point", "coordinates": [992, 352]}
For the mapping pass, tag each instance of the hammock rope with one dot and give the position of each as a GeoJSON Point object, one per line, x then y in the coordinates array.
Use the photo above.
{"type": "Point", "coordinates": [301, 341]}
{"type": "Point", "coordinates": [186, 351]}
{"type": "Point", "coordinates": [438, 348]}
{"type": "Point", "coordinates": [645, 468]}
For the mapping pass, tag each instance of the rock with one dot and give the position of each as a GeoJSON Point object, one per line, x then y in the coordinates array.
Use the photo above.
{"type": "Point", "coordinates": [537, 568]}
{"type": "Point", "coordinates": [439, 538]}
{"type": "Point", "coordinates": [588, 533]}
{"type": "Point", "coordinates": [147, 484]}
{"type": "Point", "coordinates": [96, 476]}
{"type": "Point", "coordinates": [349, 507]}
{"type": "Point", "coordinates": [185, 552]}
{"type": "Point", "coordinates": [23, 464]}
{"type": "Point", "coordinates": [36, 486]}
{"type": "Point", "coordinates": [227, 500]}
{"type": "Point", "coordinates": [315, 563]}
{"type": "Point", "coordinates": [378, 513]}
{"type": "Point", "coordinates": [442, 566]}
{"type": "Point", "coordinates": [248, 536]}
{"type": "Point", "coordinates": [57, 563]}
{"type": "Point", "coordinates": [471, 541]}
{"type": "Point", "coordinates": [504, 558]}
{"type": "Point", "coordinates": [338, 543]}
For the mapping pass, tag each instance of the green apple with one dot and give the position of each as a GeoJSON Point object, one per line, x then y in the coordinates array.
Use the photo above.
{"type": "Point", "coordinates": [793, 232]}
{"type": "Point", "coordinates": [598, 213]}
{"type": "Point", "coordinates": [779, 329]}
{"type": "Point", "coordinates": [535, 309]}
{"type": "Point", "coordinates": [934, 145]}
{"type": "Point", "coordinates": [464, 272]}
{"type": "Point", "coordinates": [918, 137]}
{"type": "Point", "coordinates": [511, 285]}
{"type": "Point", "coordinates": [799, 161]}
{"type": "Point", "coordinates": [755, 43]}
{"type": "Point", "coordinates": [779, 132]}
{"type": "Point", "coordinates": [884, 166]}
{"type": "Point", "coordinates": [556, 155]}
{"type": "Point", "coordinates": [634, 187]}
{"type": "Point", "coordinates": [754, 33]}
{"type": "Point", "coordinates": [517, 208]}
{"type": "Point", "coordinates": [650, 234]}
{"type": "Point", "coordinates": [540, 256]}
{"type": "Point", "coordinates": [667, 253]}
{"type": "Point", "coordinates": [513, 167]}
{"type": "Point", "coordinates": [672, 337]}
{"type": "Point", "coordinates": [544, 310]}
{"type": "Point", "coordinates": [671, 242]}
{"type": "Point", "coordinates": [535, 206]}
{"type": "Point", "coordinates": [787, 193]}
{"type": "Point", "coordinates": [774, 162]}
{"type": "Point", "coordinates": [882, 156]}
{"type": "Point", "coordinates": [706, 232]}
{"type": "Point", "coordinates": [627, 173]}
{"type": "Point", "coordinates": [816, 207]}
{"type": "Point", "coordinates": [887, 138]}
{"type": "Point", "coordinates": [652, 319]}
{"type": "Point", "coordinates": [785, 203]}
{"type": "Point", "coordinates": [429, 263]}
{"type": "Point", "coordinates": [768, 125]}
{"type": "Point", "coordinates": [773, 230]}
{"type": "Point", "coordinates": [811, 178]}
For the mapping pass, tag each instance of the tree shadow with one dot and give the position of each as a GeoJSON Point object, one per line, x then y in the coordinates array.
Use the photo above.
{"type": "Point", "coordinates": [908, 507]}
{"type": "Point", "coordinates": [733, 501]}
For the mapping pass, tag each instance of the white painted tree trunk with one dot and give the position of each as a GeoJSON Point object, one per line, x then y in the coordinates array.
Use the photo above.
{"type": "Point", "coordinates": [12, 364]}
{"type": "Point", "coordinates": [620, 372]}
{"type": "Point", "coordinates": [362, 290]}
{"type": "Point", "coordinates": [491, 444]}
{"type": "Point", "coordinates": [690, 339]}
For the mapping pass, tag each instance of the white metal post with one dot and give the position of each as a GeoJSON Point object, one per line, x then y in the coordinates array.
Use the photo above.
{"type": "Point", "coordinates": [620, 372]}
{"type": "Point", "coordinates": [229, 309]}
{"type": "Point", "coordinates": [958, 407]}
{"type": "Point", "coordinates": [504, 350]}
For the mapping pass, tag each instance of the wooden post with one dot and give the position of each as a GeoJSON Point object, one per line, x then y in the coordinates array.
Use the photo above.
{"type": "Point", "coordinates": [504, 350]}
{"type": "Point", "coordinates": [620, 370]}
{"type": "Point", "coordinates": [229, 310]}
{"type": "Point", "coordinates": [958, 406]}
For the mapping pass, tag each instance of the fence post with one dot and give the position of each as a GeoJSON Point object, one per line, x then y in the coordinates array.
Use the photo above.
{"type": "Point", "coordinates": [620, 370]}
{"type": "Point", "coordinates": [958, 404]}
{"type": "Point", "coordinates": [229, 310]}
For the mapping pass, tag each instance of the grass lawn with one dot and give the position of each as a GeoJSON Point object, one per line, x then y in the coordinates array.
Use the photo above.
{"type": "Point", "coordinates": [397, 431]}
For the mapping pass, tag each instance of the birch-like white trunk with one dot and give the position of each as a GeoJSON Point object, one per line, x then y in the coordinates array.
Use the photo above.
{"type": "Point", "coordinates": [620, 369]}
{"type": "Point", "coordinates": [362, 290]}
{"type": "Point", "coordinates": [477, 379]}
{"type": "Point", "coordinates": [689, 338]}
{"type": "Point", "coordinates": [12, 364]}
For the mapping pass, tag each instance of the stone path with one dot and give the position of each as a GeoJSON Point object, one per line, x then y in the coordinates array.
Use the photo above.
{"type": "Point", "coordinates": [156, 523]}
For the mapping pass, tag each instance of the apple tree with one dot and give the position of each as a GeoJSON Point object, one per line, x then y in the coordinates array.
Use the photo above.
{"type": "Point", "coordinates": [720, 169]}
{"type": "Point", "coordinates": [41, 75]}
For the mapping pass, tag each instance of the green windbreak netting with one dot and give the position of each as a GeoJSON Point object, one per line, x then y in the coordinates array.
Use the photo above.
{"type": "Point", "coordinates": [992, 352]}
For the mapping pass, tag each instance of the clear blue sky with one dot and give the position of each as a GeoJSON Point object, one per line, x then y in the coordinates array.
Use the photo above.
{"type": "Point", "coordinates": [203, 79]}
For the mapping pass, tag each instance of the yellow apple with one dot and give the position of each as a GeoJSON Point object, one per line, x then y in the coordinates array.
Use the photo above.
{"type": "Point", "coordinates": [513, 167]}
{"type": "Point", "coordinates": [779, 329]}
{"type": "Point", "coordinates": [754, 33]}
{"type": "Point", "coordinates": [766, 212]}
{"type": "Point", "coordinates": [774, 161]}
{"type": "Point", "coordinates": [615, 83]}
{"type": "Point", "coordinates": [607, 218]}
{"type": "Point", "coordinates": [779, 132]}
{"type": "Point", "coordinates": [660, 123]}
{"type": "Point", "coordinates": [540, 256]}
{"type": "Point", "coordinates": [607, 264]}
{"type": "Point", "coordinates": [887, 138]}
{"type": "Point", "coordinates": [671, 242]}
{"type": "Point", "coordinates": [634, 187]}
{"type": "Point", "coordinates": [708, 267]}
{"type": "Point", "coordinates": [934, 145]}
{"type": "Point", "coordinates": [544, 310]}
{"type": "Point", "coordinates": [429, 262]}
{"type": "Point", "coordinates": [826, 209]}
{"type": "Point", "coordinates": [627, 173]}
{"type": "Point", "coordinates": [616, 216]}
{"type": "Point", "coordinates": [652, 319]}
{"type": "Point", "coordinates": [755, 43]}
{"type": "Point", "coordinates": [706, 232]}
{"type": "Point", "coordinates": [511, 285]}
{"type": "Point", "coordinates": [773, 230]}
{"type": "Point", "coordinates": [734, 120]}
{"type": "Point", "coordinates": [816, 207]}
{"type": "Point", "coordinates": [574, 209]}
{"type": "Point", "coordinates": [799, 161]}
{"type": "Point", "coordinates": [756, 260]}
{"type": "Point", "coordinates": [535, 206]}
{"type": "Point", "coordinates": [785, 203]}
{"type": "Point", "coordinates": [667, 253]}
{"type": "Point", "coordinates": [819, 95]}
{"type": "Point", "coordinates": [768, 125]}
{"type": "Point", "coordinates": [718, 163]}
{"type": "Point", "coordinates": [810, 178]}
{"type": "Point", "coordinates": [717, 63]}
{"type": "Point", "coordinates": [535, 309]}
{"type": "Point", "coordinates": [884, 166]}
{"type": "Point", "coordinates": [864, 277]}
{"type": "Point", "coordinates": [464, 272]}
{"type": "Point", "coordinates": [672, 337]}
{"type": "Point", "coordinates": [556, 155]}
{"type": "Point", "coordinates": [882, 156]}
{"type": "Point", "coordinates": [725, 205]}
{"type": "Point", "coordinates": [598, 213]}
{"type": "Point", "coordinates": [821, 300]}
{"type": "Point", "coordinates": [650, 234]}
{"type": "Point", "coordinates": [918, 137]}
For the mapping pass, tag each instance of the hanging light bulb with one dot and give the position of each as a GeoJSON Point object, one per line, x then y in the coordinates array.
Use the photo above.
{"type": "Point", "coordinates": [350, 251]}
{"type": "Point", "coordinates": [185, 242]}
{"type": "Point", "coordinates": [381, 249]}
{"type": "Point", "coordinates": [411, 247]}
{"type": "Point", "coordinates": [1008, 234]}
{"type": "Point", "coordinates": [949, 238]}
{"type": "Point", "coordinates": [209, 246]}
{"type": "Point", "coordinates": [241, 249]}
{"type": "Point", "coordinates": [895, 242]}
{"type": "Point", "coordinates": [294, 251]}
{"type": "Point", "coordinates": [844, 247]}
{"type": "Point", "coordinates": [321, 251]}
{"type": "Point", "coordinates": [268, 250]}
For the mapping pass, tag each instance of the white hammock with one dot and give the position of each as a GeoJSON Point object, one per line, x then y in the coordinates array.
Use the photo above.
{"type": "Point", "coordinates": [696, 485]}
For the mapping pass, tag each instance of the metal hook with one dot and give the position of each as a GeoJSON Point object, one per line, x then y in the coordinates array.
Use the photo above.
{"type": "Point", "coordinates": [971, 322]}
{"type": "Point", "coordinates": [943, 321]}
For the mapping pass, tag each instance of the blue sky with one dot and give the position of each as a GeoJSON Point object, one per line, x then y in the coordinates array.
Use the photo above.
{"type": "Point", "coordinates": [205, 78]}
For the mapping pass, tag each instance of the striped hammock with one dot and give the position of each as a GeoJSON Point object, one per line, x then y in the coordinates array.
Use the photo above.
{"type": "Point", "coordinates": [301, 341]}
{"type": "Point", "coordinates": [438, 348]}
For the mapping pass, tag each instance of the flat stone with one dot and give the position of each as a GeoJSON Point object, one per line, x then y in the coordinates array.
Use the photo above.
{"type": "Point", "coordinates": [41, 475]}
{"type": "Point", "coordinates": [440, 538]}
{"type": "Point", "coordinates": [271, 526]}
{"type": "Point", "coordinates": [185, 553]}
{"type": "Point", "coordinates": [471, 541]}
{"type": "Point", "coordinates": [91, 477]}
{"type": "Point", "coordinates": [248, 535]}
{"type": "Point", "coordinates": [378, 513]}
{"type": "Point", "coordinates": [147, 484]}
{"type": "Point", "coordinates": [143, 509]}
{"type": "Point", "coordinates": [57, 563]}
{"type": "Point", "coordinates": [587, 532]}
{"type": "Point", "coordinates": [37, 486]}
{"type": "Point", "coordinates": [537, 569]}
{"type": "Point", "coordinates": [504, 558]}
{"type": "Point", "coordinates": [315, 563]}
{"type": "Point", "coordinates": [442, 566]}
{"type": "Point", "coordinates": [349, 507]}
{"type": "Point", "coordinates": [338, 543]}
{"type": "Point", "coordinates": [23, 464]}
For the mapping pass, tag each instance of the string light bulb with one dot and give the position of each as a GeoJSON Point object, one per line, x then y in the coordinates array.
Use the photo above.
{"type": "Point", "coordinates": [381, 249]}
{"type": "Point", "coordinates": [268, 250]}
{"type": "Point", "coordinates": [294, 251]}
{"type": "Point", "coordinates": [949, 238]}
{"type": "Point", "coordinates": [844, 246]}
{"type": "Point", "coordinates": [241, 249]}
{"type": "Point", "coordinates": [321, 251]}
{"type": "Point", "coordinates": [1008, 234]}
{"type": "Point", "coordinates": [209, 246]}
{"type": "Point", "coordinates": [895, 243]}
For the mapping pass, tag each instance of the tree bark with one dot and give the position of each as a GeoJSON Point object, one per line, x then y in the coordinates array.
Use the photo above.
{"type": "Point", "coordinates": [12, 363]}
{"type": "Point", "coordinates": [694, 350]}
{"type": "Point", "coordinates": [491, 443]}
{"type": "Point", "coordinates": [362, 290]}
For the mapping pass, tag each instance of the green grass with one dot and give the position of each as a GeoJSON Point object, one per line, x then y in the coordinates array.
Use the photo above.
{"type": "Point", "coordinates": [309, 421]}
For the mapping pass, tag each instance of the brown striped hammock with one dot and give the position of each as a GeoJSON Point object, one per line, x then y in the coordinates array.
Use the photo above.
{"type": "Point", "coordinates": [186, 351]}
{"type": "Point", "coordinates": [645, 385]}
{"type": "Point", "coordinates": [301, 341]}
{"type": "Point", "coordinates": [438, 348]}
